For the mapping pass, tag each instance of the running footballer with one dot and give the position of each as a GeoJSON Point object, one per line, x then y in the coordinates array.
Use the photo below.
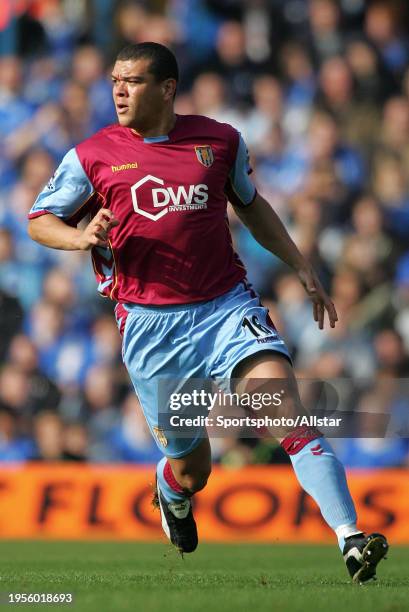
{"type": "Point", "coordinates": [155, 188]}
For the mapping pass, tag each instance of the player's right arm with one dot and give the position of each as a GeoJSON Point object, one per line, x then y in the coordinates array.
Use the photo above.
{"type": "Point", "coordinates": [66, 199]}
{"type": "Point", "coordinates": [52, 232]}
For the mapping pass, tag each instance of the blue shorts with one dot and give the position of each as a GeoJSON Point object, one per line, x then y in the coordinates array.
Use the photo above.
{"type": "Point", "coordinates": [190, 341]}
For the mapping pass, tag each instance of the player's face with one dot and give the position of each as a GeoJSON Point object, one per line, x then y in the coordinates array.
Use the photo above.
{"type": "Point", "coordinates": [139, 98]}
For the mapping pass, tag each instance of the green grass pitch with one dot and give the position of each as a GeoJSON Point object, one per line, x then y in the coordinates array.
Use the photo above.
{"type": "Point", "coordinates": [151, 577]}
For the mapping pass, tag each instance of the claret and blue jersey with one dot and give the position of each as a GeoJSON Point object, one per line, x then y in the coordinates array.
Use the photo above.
{"type": "Point", "coordinates": [169, 193]}
{"type": "Point", "coordinates": [184, 310]}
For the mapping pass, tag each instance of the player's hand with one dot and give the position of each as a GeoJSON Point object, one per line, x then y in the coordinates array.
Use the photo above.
{"type": "Point", "coordinates": [321, 302]}
{"type": "Point", "coordinates": [97, 231]}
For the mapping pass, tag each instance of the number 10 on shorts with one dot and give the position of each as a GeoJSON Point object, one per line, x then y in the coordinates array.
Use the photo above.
{"type": "Point", "coordinates": [256, 328]}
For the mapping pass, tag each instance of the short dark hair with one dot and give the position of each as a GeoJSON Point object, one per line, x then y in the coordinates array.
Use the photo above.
{"type": "Point", "coordinates": [163, 64]}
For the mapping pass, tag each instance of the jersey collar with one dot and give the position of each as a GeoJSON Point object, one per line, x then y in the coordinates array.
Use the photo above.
{"type": "Point", "coordinates": [158, 139]}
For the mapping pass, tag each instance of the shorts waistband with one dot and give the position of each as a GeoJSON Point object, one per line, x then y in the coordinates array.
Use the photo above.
{"type": "Point", "coordinates": [145, 308]}
{"type": "Point", "coordinates": [162, 309]}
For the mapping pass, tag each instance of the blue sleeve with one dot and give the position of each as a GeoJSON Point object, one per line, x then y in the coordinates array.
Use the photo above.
{"type": "Point", "coordinates": [240, 189]}
{"type": "Point", "coordinates": [68, 191]}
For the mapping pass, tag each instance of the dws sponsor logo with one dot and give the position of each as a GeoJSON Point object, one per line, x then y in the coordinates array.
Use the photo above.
{"type": "Point", "coordinates": [169, 199]}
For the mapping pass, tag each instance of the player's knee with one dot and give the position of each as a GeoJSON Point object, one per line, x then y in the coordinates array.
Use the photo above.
{"type": "Point", "coordinates": [194, 481]}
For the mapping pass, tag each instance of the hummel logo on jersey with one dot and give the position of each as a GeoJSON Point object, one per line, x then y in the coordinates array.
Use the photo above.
{"type": "Point", "coordinates": [170, 199]}
{"type": "Point", "coordinates": [124, 167]}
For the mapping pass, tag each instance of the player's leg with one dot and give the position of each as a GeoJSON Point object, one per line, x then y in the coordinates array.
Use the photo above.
{"type": "Point", "coordinates": [184, 469]}
{"type": "Point", "coordinates": [178, 479]}
{"type": "Point", "coordinates": [245, 331]}
{"type": "Point", "coordinates": [319, 472]}
{"type": "Point", "coordinates": [316, 466]}
{"type": "Point", "coordinates": [158, 368]}
{"type": "Point", "coordinates": [186, 475]}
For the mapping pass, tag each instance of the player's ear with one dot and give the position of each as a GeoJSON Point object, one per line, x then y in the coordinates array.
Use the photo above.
{"type": "Point", "coordinates": [169, 89]}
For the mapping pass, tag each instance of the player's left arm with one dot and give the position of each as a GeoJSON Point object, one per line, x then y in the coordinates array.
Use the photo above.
{"type": "Point", "coordinates": [269, 231]}
{"type": "Point", "coordinates": [266, 227]}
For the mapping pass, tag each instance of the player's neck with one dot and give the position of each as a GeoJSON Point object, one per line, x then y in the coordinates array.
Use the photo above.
{"type": "Point", "coordinates": [160, 127]}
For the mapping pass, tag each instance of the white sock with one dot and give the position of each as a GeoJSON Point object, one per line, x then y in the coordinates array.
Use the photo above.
{"type": "Point", "coordinates": [345, 531]}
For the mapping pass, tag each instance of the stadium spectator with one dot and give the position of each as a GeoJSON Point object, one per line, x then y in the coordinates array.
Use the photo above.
{"type": "Point", "coordinates": [14, 110]}
{"type": "Point", "coordinates": [394, 133]}
{"type": "Point", "coordinates": [130, 439]}
{"type": "Point", "coordinates": [267, 112]}
{"type": "Point", "coordinates": [299, 87]}
{"type": "Point", "coordinates": [11, 319]}
{"type": "Point", "coordinates": [14, 389]}
{"type": "Point", "coordinates": [14, 448]}
{"type": "Point", "coordinates": [357, 121]}
{"type": "Point", "coordinates": [101, 412]}
{"type": "Point", "coordinates": [373, 81]}
{"type": "Point", "coordinates": [325, 37]}
{"type": "Point", "coordinates": [372, 448]}
{"type": "Point", "coordinates": [48, 431]}
{"type": "Point", "coordinates": [43, 393]}
{"type": "Point", "coordinates": [233, 63]}
{"type": "Point", "coordinates": [385, 26]}
{"type": "Point", "coordinates": [209, 98]}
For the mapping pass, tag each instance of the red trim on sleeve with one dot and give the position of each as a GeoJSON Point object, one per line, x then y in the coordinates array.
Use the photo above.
{"type": "Point", "coordinates": [91, 206]}
{"type": "Point", "coordinates": [38, 213]}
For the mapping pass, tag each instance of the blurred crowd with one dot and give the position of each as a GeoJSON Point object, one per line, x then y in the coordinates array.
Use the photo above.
{"type": "Point", "coordinates": [320, 91]}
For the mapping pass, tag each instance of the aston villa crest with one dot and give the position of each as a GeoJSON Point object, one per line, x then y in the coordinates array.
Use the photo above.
{"type": "Point", "coordinates": [204, 154]}
{"type": "Point", "coordinates": [160, 435]}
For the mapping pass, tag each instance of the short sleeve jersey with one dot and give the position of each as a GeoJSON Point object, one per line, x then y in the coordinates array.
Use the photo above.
{"type": "Point", "coordinates": [170, 194]}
